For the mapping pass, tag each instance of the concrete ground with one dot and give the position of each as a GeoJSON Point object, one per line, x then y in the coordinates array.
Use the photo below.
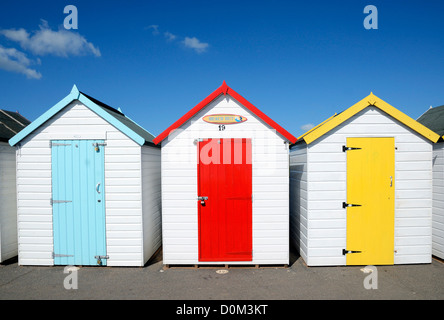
{"type": "Point", "coordinates": [420, 282]}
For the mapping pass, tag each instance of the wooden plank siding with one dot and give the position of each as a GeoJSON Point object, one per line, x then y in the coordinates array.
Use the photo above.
{"type": "Point", "coordinates": [438, 201]}
{"type": "Point", "coordinates": [299, 198]}
{"type": "Point", "coordinates": [8, 203]}
{"type": "Point", "coordinates": [151, 201]}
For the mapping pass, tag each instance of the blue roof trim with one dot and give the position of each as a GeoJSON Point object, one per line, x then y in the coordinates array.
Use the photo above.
{"type": "Point", "coordinates": [113, 121]}
{"type": "Point", "coordinates": [75, 95]}
{"type": "Point", "coordinates": [43, 118]}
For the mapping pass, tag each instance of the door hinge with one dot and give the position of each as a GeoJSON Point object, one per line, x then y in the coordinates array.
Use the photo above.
{"type": "Point", "coordinates": [345, 205]}
{"type": "Point", "coordinates": [345, 148]}
{"type": "Point", "coordinates": [344, 251]}
{"type": "Point", "coordinates": [58, 201]}
{"type": "Point", "coordinates": [52, 144]}
{"type": "Point", "coordinates": [56, 255]}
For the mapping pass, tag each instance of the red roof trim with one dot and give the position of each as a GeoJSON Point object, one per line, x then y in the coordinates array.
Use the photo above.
{"type": "Point", "coordinates": [224, 89]}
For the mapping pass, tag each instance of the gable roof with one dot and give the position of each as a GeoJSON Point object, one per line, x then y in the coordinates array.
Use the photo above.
{"type": "Point", "coordinates": [370, 100]}
{"type": "Point", "coordinates": [224, 89]}
{"type": "Point", "coordinates": [114, 117]}
{"type": "Point", "coordinates": [434, 120]}
{"type": "Point", "coordinates": [10, 124]}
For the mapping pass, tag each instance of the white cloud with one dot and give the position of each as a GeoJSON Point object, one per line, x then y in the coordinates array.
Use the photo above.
{"type": "Point", "coordinates": [16, 61]}
{"type": "Point", "coordinates": [307, 126]}
{"type": "Point", "coordinates": [195, 44]}
{"type": "Point", "coordinates": [169, 36]}
{"type": "Point", "coordinates": [20, 35]}
{"type": "Point", "coordinates": [155, 29]}
{"type": "Point", "coordinates": [192, 43]}
{"type": "Point", "coordinates": [45, 41]}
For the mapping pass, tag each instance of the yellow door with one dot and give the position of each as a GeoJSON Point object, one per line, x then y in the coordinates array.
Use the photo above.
{"type": "Point", "coordinates": [370, 201]}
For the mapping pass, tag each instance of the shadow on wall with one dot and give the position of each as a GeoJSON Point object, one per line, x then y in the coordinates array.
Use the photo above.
{"type": "Point", "coordinates": [296, 172]}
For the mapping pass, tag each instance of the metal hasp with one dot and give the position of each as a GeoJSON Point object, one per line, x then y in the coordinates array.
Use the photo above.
{"type": "Point", "coordinates": [202, 200]}
{"type": "Point", "coordinates": [99, 259]}
{"type": "Point", "coordinates": [345, 205]}
{"type": "Point", "coordinates": [96, 145]}
{"type": "Point", "coordinates": [344, 252]}
{"type": "Point", "coordinates": [345, 148]}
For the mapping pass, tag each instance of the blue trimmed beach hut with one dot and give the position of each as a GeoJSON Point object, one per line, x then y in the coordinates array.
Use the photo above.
{"type": "Point", "coordinates": [88, 187]}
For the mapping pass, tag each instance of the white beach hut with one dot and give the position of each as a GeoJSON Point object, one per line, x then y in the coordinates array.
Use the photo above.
{"type": "Point", "coordinates": [10, 124]}
{"type": "Point", "coordinates": [225, 185]}
{"type": "Point", "coordinates": [433, 119]}
{"type": "Point", "coordinates": [88, 187]}
{"type": "Point", "coordinates": [361, 188]}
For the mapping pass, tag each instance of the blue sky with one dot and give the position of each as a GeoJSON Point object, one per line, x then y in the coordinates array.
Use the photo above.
{"type": "Point", "coordinates": [299, 62]}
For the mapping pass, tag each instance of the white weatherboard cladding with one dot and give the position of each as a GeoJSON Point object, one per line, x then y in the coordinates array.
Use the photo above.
{"type": "Point", "coordinates": [123, 187]}
{"type": "Point", "coordinates": [8, 203]}
{"type": "Point", "coordinates": [325, 225]}
{"type": "Point", "coordinates": [438, 200]}
{"type": "Point", "coordinates": [270, 186]}
{"type": "Point", "coordinates": [299, 198]}
{"type": "Point", "coordinates": [151, 197]}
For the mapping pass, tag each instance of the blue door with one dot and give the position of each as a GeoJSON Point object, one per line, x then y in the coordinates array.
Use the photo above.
{"type": "Point", "coordinates": [78, 202]}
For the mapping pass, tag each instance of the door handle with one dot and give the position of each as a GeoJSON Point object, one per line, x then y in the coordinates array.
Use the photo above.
{"type": "Point", "coordinates": [391, 181]}
{"type": "Point", "coordinates": [97, 187]}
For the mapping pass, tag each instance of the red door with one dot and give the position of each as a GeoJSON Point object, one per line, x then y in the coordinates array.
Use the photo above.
{"type": "Point", "coordinates": [225, 217]}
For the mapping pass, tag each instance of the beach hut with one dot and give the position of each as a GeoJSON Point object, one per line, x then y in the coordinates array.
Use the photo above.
{"type": "Point", "coordinates": [10, 124]}
{"type": "Point", "coordinates": [225, 185]}
{"type": "Point", "coordinates": [361, 188]}
{"type": "Point", "coordinates": [88, 187]}
{"type": "Point", "coordinates": [433, 119]}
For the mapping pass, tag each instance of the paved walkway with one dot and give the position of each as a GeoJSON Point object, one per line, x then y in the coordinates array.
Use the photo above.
{"type": "Point", "coordinates": [153, 282]}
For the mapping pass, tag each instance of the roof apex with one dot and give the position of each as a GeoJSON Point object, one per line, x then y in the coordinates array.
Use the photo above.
{"type": "Point", "coordinates": [74, 90]}
{"type": "Point", "coordinates": [120, 123]}
{"type": "Point", "coordinates": [370, 100]}
{"type": "Point", "coordinates": [224, 89]}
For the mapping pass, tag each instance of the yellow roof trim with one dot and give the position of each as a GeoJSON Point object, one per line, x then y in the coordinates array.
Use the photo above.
{"type": "Point", "coordinates": [370, 100]}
